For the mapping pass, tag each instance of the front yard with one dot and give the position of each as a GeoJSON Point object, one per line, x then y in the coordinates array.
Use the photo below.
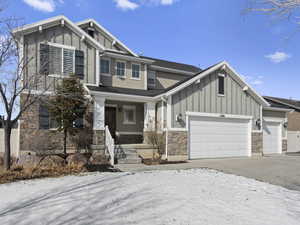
{"type": "Point", "coordinates": [182, 197]}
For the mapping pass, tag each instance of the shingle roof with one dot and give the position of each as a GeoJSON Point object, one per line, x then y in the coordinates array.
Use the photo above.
{"type": "Point", "coordinates": [283, 102]}
{"type": "Point", "coordinates": [173, 65]}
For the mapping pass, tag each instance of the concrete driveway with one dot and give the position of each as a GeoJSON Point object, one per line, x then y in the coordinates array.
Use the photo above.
{"type": "Point", "coordinates": [283, 170]}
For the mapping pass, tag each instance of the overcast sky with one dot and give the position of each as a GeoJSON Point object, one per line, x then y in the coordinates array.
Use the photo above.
{"type": "Point", "coordinates": [265, 51]}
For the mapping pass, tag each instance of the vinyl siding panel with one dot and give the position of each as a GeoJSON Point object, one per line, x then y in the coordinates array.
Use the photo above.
{"type": "Point", "coordinates": [59, 35]}
{"type": "Point", "coordinates": [204, 97]}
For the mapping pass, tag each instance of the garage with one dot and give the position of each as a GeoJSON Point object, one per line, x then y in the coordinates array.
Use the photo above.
{"type": "Point", "coordinates": [272, 140]}
{"type": "Point", "coordinates": [214, 135]}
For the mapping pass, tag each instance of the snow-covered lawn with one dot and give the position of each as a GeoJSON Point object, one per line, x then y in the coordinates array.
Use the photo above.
{"type": "Point", "coordinates": [161, 197]}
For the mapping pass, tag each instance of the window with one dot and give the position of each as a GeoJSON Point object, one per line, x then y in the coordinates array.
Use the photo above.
{"type": "Point", "coordinates": [120, 67]}
{"type": "Point", "coordinates": [104, 64]}
{"type": "Point", "coordinates": [78, 123]}
{"type": "Point", "coordinates": [56, 59]}
{"type": "Point", "coordinates": [135, 71]}
{"type": "Point", "coordinates": [221, 84]}
{"type": "Point", "coordinates": [129, 112]}
{"type": "Point", "coordinates": [45, 120]}
{"type": "Point", "coordinates": [151, 79]}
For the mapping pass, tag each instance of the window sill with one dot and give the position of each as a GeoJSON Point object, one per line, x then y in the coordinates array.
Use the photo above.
{"type": "Point", "coordinates": [105, 74]}
{"type": "Point", "coordinates": [121, 77]}
{"type": "Point", "coordinates": [132, 78]}
{"type": "Point", "coordinates": [58, 76]}
{"type": "Point", "coordinates": [129, 123]}
{"type": "Point", "coordinates": [219, 95]}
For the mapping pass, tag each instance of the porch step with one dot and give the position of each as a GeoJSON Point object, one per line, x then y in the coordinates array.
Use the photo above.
{"type": "Point", "coordinates": [125, 154]}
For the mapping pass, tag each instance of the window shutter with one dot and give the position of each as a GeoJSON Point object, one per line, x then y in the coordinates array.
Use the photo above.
{"type": "Point", "coordinates": [44, 59]}
{"type": "Point", "coordinates": [68, 62]}
{"type": "Point", "coordinates": [79, 64]}
{"type": "Point", "coordinates": [43, 117]}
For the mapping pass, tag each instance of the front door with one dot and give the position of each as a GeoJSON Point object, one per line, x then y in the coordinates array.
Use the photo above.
{"type": "Point", "coordinates": [110, 120]}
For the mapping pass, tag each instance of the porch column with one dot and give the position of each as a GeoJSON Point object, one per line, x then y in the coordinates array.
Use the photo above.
{"type": "Point", "coordinates": [149, 114]}
{"type": "Point", "coordinates": [99, 121]}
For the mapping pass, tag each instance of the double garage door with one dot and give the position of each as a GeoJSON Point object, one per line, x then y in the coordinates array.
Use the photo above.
{"type": "Point", "coordinates": [217, 137]}
{"type": "Point", "coordinates": [213, 137]}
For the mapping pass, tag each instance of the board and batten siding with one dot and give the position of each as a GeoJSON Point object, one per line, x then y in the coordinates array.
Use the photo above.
{"type": "Point", "coordinates": [60, 35]}
{"type": "Point", "coordinates": [203, 97]}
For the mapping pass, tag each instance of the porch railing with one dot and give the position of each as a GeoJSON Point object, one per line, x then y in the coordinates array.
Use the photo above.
{"type": "Point", "coordinates": [110, 146]}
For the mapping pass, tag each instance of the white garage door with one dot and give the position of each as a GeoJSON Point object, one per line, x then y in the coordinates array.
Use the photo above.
{"type": "Point", "coordinates": [212, 137]}
{"type": "Point", "coordinates": [272, 142]}
{"type": "Point", "coordinates": [293, 141]}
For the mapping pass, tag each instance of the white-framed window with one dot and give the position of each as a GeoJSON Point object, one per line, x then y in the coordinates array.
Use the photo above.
{"type": "Point", "coordinates": [104, 66]}
{"type": "Point", "coordinates": [136, 71]}
{"type": "Point", "coordinates": [151, 79]}
{"type": "Point", "coordinates": [57, 59]}
{"type": "Point", "coordinates": [221, 84]}
{"type": "Point", "coordinates": [120, 68]}
{"type": "Point", "coordinates": [129, 114]}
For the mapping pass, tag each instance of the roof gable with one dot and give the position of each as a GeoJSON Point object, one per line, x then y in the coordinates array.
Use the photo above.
{"type": "Point", "coordinates": [54, 21]}
{"type": "Point", "coordinates": [219, 66]}
{"type": "Point", "coordinates": [106, 32]}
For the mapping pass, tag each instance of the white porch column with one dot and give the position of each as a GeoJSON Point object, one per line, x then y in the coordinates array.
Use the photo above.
{"type": "Point", "coordinates": [99, 113]}
{"type": "Point", "coordinates": [149, 114]}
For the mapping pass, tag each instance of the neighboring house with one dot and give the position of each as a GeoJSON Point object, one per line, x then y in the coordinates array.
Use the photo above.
{"type": "Point", "coordinates": [293, 118]}
{"type": "Point", "coordinates": [200, 113]}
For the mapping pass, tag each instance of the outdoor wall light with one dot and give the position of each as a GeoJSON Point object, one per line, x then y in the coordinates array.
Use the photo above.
{"type": "Point", "coordinates": [285, 124]}
{"type": "Point", "coordinates": [258, 123]}
{"type": "Point", "coordinates": [179, 117]}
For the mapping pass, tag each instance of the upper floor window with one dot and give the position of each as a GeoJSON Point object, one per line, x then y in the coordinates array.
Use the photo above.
{"type": "Point", "coordinates": [151, 79]}
{"type": "Point", "coordinates": [56, 59]}
{"type": "Point", "coordinates": [221, 84]}
{"type": "Point", "coordinates": [120, 67]}
{"type": "Point", "coordinates": [104, 64]}
{"type": "Point", "coordinates": [135, 71]}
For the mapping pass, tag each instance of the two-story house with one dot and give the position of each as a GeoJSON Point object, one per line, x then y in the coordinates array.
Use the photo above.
{"type": "Point", "coordinates": [200, 113]}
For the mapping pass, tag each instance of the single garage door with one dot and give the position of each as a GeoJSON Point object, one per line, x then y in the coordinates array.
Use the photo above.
{"type": "Point", "coordinates": [213, 137]}
{"type": "Point", "coordinates": [272, 141]}
{"type": "Point", "coordinates": [293, 141]}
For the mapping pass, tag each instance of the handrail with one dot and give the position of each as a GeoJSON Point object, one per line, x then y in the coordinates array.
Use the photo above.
{"type": "Point", "coordinates": [110, 145]}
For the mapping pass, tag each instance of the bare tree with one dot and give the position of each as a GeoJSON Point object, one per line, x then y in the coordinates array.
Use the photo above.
{"type": "Point", "coordinates": [13, 82]}
{"type": "Point", "coordinates": [287, 9]}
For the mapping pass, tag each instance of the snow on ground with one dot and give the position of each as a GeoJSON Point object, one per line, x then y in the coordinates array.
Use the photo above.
{"type": "Point", "coordinates": [181, 197]}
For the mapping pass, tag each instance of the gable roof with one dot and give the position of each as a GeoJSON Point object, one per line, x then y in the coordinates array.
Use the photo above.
{"type": "Point", "coordinates": [107, 32]}
{"type": "Point", "coordinates": [53, 21]}
{"type": "Point", "coordinates": [283, 103]}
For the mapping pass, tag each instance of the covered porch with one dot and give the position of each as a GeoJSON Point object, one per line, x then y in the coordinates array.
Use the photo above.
{"type": "Point", "coordinates": [126, 119]}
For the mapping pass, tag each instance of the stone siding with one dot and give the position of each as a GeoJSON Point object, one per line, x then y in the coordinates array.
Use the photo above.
{"type": "Point", "coordinates": [34, 139]}
{"type": "Point", "coordinates": [177, 143]}
{"type": "Point", "coordinates": [284, 145]}
{"type": "Point", "coordinates": [257, 142]}
{"type": "Point", "coordinates": [98, 137]}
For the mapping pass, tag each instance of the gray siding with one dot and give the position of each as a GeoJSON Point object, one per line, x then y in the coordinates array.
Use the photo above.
{"type": "Point", "coordinates": [203, 97]}
{"type": "Point", "coordinates": [165, 79]}
{"type": "Point", "coordinates": [59, 35]}
{"type": "Point", "coordinates": [120, 126]}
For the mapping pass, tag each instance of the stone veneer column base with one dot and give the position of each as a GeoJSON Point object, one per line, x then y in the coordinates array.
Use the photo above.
{"type": "Point", "coordinates": [177, 145]}
{"type": "Point", "coordinates": [98, 137]}
{"type": "Point", "coordinates": [257, 143]}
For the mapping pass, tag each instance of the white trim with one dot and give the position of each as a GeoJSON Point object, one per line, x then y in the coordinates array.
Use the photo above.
{"type": "Point", "coordinates": [162, 115]}
{"type": "Point", "coordinates": [170, 70]}
{"type": "Point", "coordinates": [98, 74]}
{"type": "Point", "coordinates": [60, 45]}
{"type": "Point", "coordinates": [274, 119]}
{"type": "Point", "coordinates": [276, 109]}
{"type": "Point", "coordinates": [54, 21]}
{"type": "Point", "coordinates": [116, 70]}
{"type": "Point", "coordinates": [219, 115]}
{"type": "Point", "coordinates": [125, 120]}
{"type": "Point", "coordinates": [177, 129]}
{"type": "Point", "coordinates": [169, 112]}
{"type": "Point", "coordinates": [107, 32]}
{"type": "Point", "coordinates": [111, 105]}
{"type": "Point", "coordinates": [125, 97]}
{"type": "Point", "coordinates": [256, 131]}
{"type": "Point", "coordinates": [146, 77]}
{"type": "Point", "coordinates": [140, 71]}
{"type": "Point", "coordinates": [109, 66]}
{"type": "Point", "coordinates": [127, 57]}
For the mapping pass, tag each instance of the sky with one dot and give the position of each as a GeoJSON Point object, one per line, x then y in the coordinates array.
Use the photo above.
{"type": "Point", "coordinates": [264, 50]}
